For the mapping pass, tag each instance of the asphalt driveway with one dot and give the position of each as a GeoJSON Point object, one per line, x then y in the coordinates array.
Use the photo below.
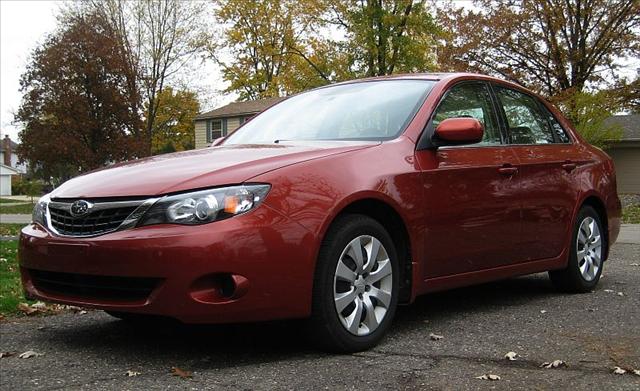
{"type": "Point", "coordinates": [592, 333]}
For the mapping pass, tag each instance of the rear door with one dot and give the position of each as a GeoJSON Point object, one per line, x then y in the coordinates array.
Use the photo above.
{"type": "Point", "coordinates": [471, 192]}
{"type": "Point", "coordinates": [548, 161]}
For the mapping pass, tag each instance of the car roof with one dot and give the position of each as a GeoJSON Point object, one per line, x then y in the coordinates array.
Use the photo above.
{"type": "Point", "coordinates": [437, 76]}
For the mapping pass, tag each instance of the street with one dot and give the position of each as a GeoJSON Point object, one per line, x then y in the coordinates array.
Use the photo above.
{"type": "Point", "coordinates": [592, 333]}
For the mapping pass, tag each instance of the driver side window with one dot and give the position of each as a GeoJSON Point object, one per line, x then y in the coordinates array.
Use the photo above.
{"type": "Point", "coordinates": [470, 100]}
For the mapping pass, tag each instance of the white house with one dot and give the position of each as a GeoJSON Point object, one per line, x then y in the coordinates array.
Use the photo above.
{"type": "Point", "coordinates": [6, 173]}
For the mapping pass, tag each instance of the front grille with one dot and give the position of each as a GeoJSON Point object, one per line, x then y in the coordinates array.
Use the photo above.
{"type": "Point", "coordinates": [97, 222]}
{"type": "Point", "coordinates": [125, 289]}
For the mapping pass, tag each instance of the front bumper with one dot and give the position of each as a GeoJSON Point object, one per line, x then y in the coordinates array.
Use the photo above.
{"type": "Point", "coordinates": [179, 271]}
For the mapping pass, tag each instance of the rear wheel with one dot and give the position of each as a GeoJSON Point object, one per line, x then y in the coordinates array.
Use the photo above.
{"type": "Point", "coordinates": [355, 287]}
{"type": "Point", "coordinates": [586, 257]}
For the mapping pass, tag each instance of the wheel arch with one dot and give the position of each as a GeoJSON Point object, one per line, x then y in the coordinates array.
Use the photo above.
{"type": "Point", "coordinates": [384, 213]}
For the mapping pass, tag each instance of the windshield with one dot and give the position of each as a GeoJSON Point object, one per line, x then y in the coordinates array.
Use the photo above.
{"type": "Point", "coordinates": [375, 110]}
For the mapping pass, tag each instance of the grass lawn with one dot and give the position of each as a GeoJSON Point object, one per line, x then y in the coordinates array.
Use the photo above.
{"type": "Point", "coordinates": [17, 209]}
{"type": "Point", "coordinates": [10, 229]}
{"type": "Point", "coordinates": [10, 287]}
{"type": "Point", "coordinates": [631, 214]}
{"type": "Point", "coordinates": [7, 201]}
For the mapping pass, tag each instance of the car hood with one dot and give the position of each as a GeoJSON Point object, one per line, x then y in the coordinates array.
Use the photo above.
{"type": "Point", "coordinates": [196, 169]}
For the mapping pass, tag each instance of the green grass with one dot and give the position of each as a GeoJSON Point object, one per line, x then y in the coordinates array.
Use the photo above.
{"type": "Point", "coordinates": [17, 209]}
{"type": "Point", "coordinates": [631, 214]}
{"type": "Point", "coordinates": [10, 286]}
{"type": "Point", "coordinates": [10, 229]}
{"type": "Point", "coordinates": [7, 201]}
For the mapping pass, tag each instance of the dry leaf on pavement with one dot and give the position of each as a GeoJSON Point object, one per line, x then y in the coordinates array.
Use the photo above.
{"type": "Point", "coordinates": [29, 354]}
{"type": "Point", "coordinates": [26, 309]}
{"type": "Point", "coordinates": [6, 354]}
{"type": "Point", "coordinates": [489, 376]}
{"type": "Point", "coordinates": [175, 371]}
{"type": "Point", "coordinates": [636, 372]}
{"type": "Point", "coordinates": [132, 373]}
{"type": "Point", "coordinates": [553, 364]}
{"type": "Point", "coordinates": [511, 356]}
{"type": "Point", "coordinates": [435, 337]}
{"type": "Point", "coordinates": [619, 371]}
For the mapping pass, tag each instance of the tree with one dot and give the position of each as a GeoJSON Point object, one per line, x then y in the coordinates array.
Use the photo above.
{"type": "Point", "coordinates": [272, 48]}
{"type": "Point", "coordinates": [588, 112]}
{"type": "Point", "coordinates": [550, 46]}
{"type": "Point", "coordinates": [161, 39]}
{"type": "Point", "coordinates": [78, 107]}
{"type": "Point", "coordinates": [173, 128]}
{"type": "Point", "coordinates": [385, 37]}
{"type": "Point", "coordinates": [263, 49]}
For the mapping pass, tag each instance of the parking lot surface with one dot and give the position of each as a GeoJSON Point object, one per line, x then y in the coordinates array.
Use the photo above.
{"type": "Point", "coordinates": [592, 333]}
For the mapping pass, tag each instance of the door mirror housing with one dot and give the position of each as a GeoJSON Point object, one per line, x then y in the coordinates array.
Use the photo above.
{"type": "Point", "coordinates": [458, 131]}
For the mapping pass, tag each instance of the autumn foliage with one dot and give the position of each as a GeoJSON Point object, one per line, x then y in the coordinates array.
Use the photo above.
{"type": "Point", "coordinates": [80, 102]}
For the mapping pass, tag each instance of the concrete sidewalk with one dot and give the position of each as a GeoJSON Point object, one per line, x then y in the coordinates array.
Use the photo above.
{"type": "Point", "coordinates": [629, 233]}
{"type": "Point", "coordinates": [15, 219]}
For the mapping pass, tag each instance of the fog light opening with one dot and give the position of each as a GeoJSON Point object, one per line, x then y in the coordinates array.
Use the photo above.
{"type": "Point", "coordinates": [219, 288]}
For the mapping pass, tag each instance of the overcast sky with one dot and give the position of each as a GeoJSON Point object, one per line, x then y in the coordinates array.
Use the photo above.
{"type": "Point", "coordinates": [23, 25]}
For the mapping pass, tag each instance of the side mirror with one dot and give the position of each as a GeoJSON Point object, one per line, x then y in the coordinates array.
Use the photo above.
{"type": "Point", "coordinates": [217, 141]}
{"type": "Point", "coordinates": [458, 131]}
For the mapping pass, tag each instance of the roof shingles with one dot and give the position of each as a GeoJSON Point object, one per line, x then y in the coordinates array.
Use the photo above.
{"type": "Point", "coordinates": [235, 109]}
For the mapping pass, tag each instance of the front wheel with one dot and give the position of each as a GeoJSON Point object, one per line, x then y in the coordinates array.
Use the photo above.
{"type": "Point", "coordinates": [586, 257]}
{"type": "Point", "coordinates": [355, 287]}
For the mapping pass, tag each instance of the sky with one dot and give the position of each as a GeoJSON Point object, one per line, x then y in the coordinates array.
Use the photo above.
{"type": "Point", "coordinates": [17, 40]}
{"type": "Point", "coordinates": [25, 24]}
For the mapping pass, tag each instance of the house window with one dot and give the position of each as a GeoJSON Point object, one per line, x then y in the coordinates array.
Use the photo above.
{"type": "Point", "coordinates": [214, 130]}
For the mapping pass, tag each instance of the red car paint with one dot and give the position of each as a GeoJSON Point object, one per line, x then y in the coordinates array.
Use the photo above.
{"type": "Point", "coordinates": [471, 215]}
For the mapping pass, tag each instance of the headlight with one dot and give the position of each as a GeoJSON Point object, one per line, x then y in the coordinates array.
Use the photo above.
{"type": "Point", "coordinates": [39, 214]}
{"type": "Point", "coordinates": [205, 206]}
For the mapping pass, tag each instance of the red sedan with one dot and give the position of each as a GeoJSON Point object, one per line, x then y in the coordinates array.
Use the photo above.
{"type": "Point", "coordinates": [335, 205]}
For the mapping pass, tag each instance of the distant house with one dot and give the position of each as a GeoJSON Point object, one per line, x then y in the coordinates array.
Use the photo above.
{"type": "Point", "coordinates": [226, 119]}
{"type": "Point", "coordinates": [9, 157]}
{"type": "Point", "coordinates": [626, 152]}
{"type": "Point", "coordinates": [9, 165]}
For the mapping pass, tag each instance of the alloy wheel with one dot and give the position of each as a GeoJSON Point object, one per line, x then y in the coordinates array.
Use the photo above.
{"type": "Point", "coordinates": [362, 287]}
{"type": "Point", "coordinates": [589, 248]}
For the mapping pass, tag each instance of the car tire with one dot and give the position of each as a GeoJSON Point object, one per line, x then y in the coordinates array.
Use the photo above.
{"type": "Point", "coordinates": [367, 292]}
{"type": "Point", "coordinates": [586, 257]}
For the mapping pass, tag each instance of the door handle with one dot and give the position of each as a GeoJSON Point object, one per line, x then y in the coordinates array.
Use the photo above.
{"type": "Point", "coordinates": [569, 166]}
{"type": "Point", "coordinates": [507, 170]}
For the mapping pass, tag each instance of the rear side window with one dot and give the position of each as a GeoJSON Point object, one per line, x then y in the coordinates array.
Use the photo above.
{"type": "Point", "coordinates": [470, 100]}
{"type": "Point", "coordinates": [563, 137]}
{"type": "Point", "coordinates": [527, 124]}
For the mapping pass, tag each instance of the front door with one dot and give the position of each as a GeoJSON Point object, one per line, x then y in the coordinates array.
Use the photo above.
{"type": "Point", "coordinates": [471, 192]}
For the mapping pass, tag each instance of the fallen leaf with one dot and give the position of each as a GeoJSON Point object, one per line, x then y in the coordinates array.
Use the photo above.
{"type": "Point", "coordinates": [39, 306]}
{"type": "Point", "coordinates": [553, 364]}
{"type": "Point", "coordinates": [435, 337]}
{"type": "Point", "coordinates": [619, 371]}
{"type": "Point", "coordinates": [132, 373]}
{"type": "Point", "coordinates": [543, 311]}
{"type": "Point", "coordinates": [620, 294]}
{"type": "Point", "coordinates": [636, 372]}
{"type": "Point", "coordinates": [635, 264]}
{"type": "Point", "coordinates": [82, 312]}
{"type": "Point", "coordinates": [609, 290]}
{"type": "Point", "coordinates": [6, 354]}
{"type": "Point", "coordinates": [175, 371]}
{"type": "Point", "coordinates": [511, 356]}
{"type": "Point", "coordinates": [29, 354]}
{"type": "Point", "coordinates": [26, 309]}
{"type": "Point", "coordinates": [489, 376]}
